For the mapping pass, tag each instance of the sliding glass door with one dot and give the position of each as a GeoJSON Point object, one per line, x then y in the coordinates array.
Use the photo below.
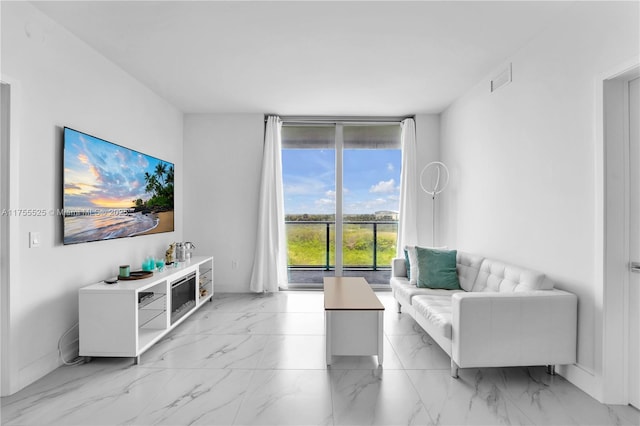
{"type": "Point", "coordinates": [341, 183]}
{"type": "Point", "coordinates": [309, 181]}
{"type": "Point", "coordinates": [371, 161]}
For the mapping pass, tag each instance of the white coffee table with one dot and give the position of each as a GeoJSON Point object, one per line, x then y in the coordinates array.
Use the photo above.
{"type": "Point", "coordinates": [353, 318]}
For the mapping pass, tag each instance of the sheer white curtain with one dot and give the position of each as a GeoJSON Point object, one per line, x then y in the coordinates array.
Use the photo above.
{"type": "Point", "coordinates": [408, 215]}
{"type": "Point", "coordinates": [270, 262]}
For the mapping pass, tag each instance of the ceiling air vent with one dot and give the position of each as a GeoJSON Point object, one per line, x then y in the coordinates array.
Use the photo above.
{"type": "Point", "coordinates": [501, 78]}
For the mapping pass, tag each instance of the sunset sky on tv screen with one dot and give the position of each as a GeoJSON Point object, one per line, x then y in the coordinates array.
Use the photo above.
{"type": "Point", "coordinates": [100, 174]}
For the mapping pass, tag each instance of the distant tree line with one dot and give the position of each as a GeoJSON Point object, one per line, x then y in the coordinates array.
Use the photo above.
{"type": "Point", "coordinates": [332, 218]}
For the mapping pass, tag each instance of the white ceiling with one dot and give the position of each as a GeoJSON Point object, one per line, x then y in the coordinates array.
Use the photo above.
{"type": "Point", "coordinates": [307, 58]}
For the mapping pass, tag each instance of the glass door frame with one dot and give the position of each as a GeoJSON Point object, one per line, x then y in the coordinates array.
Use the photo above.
{"type": "Point", "coordinates": [339, 123]}
{"type": "Point", "coordinates": [339, 144]}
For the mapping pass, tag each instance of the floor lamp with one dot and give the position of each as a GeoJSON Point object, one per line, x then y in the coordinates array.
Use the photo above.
{"type": "Point", "coordinates": [438, 175]}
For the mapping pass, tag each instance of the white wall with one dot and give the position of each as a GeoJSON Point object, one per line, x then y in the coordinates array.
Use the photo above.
{"type": "Point", "coordinates": [60, 81]}
{"type": "Point", "coordinates": [223, 154]}
{"type": "Point", "coordinates": [523, 161]}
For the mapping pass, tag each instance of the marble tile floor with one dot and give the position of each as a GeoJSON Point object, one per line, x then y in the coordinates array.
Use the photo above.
{"type": "Point", "coordinates": [259, 360]}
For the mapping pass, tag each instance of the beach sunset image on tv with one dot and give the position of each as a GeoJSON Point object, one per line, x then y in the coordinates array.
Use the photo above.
{"type": "Point", "coordinates": [113, 192]}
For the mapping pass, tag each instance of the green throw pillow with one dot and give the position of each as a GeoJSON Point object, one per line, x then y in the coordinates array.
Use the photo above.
{"type": "Point", "coordinates": [437, 269]}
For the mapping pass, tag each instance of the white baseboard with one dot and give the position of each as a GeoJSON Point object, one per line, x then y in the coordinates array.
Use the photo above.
{"type": "Point", "coordinates": [582, 378]}
{"type": "Point", "coordinates": [231, 288]}
{"type": "Point", "coordinates": [39, 368]}
{"type": "Point", "coordinates": [36, 370]}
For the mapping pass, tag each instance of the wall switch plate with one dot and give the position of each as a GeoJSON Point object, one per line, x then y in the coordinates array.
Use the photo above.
{"type": "Point", "coordinates": [34, 239]}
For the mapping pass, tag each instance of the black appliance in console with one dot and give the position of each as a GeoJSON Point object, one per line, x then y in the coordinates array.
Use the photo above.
{"type": "Point", "coordinates": [183, 296]}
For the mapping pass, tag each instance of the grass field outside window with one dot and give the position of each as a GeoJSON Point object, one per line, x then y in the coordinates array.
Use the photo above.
{"type": "Point", "coordinates": [307, 244]}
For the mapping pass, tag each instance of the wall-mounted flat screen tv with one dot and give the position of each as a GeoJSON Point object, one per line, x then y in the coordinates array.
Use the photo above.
{"type": "Point", "coordinates": [113, 192]}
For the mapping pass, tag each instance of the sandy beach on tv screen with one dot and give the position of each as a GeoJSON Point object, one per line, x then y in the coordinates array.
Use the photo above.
{"type": "Point", "coordinates": [165, 223]}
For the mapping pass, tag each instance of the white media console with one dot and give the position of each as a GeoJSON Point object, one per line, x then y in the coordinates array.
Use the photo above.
{"type": "Point", "coordinates": [126, 318]}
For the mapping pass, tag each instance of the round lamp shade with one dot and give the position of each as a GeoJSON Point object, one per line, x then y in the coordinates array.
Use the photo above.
{"type": "Point", "coordinates": [434, 178]}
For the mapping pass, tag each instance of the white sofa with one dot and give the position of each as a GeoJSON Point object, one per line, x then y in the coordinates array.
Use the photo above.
{"type": "Point", "coordinates": [503, 316]}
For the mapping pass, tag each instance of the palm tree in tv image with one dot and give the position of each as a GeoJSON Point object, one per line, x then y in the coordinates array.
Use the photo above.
{"type": "Point", "coordinates": [160, 186]}
{"type": "Point", "coordinates": [161, 170]}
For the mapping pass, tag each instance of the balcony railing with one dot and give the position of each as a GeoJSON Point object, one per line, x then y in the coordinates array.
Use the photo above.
{"type": "Point", "coordinates": [366, 246]}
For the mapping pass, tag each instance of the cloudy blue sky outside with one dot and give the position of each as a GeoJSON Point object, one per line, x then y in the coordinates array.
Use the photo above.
{"type": "Point", "coordinates": [371, 180]}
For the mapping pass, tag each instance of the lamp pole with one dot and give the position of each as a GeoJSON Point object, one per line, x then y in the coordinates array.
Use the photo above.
{"type": "Point", "coordinates": [441, 180]}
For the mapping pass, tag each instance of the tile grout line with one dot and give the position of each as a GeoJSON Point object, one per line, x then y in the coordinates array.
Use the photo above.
{"type": "Point", "coordinates": [244, 397]}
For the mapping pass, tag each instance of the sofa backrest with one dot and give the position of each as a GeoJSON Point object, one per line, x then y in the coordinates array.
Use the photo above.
{"type": "Point", "coordinates": [468, 267]}
{"type": "Point", "coordinates": [500, 277]}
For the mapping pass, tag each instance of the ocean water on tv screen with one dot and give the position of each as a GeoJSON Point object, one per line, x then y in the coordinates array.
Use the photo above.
{"type": "Point", "coordinates": [105, 224]}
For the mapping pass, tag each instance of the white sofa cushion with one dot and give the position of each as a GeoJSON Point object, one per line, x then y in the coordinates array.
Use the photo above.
{"type": "Point", "coordinates": [397, 283]}
{"type": "Point", "coordinates": [468, 267]}
{"type": "Point", "coordinates": [436, 308]}
{"type": "Point", "coordinates": [402, 289]}
{"type": "Point", "coordinates": [496, 276]}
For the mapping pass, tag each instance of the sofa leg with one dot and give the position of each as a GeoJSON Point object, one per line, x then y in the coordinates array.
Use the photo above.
{"type": "Point", "coordinates": [454, 369]}
{"type": "Point", "coordinates": [399, 307]}
{"type": "Point", "coordinates": [551, 370]}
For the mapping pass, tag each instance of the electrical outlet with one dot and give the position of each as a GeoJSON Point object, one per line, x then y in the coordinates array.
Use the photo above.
{"type": "Point", "coordinates": [34, 239]}
{"type": "Point", "coordinates": [234, 264]}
